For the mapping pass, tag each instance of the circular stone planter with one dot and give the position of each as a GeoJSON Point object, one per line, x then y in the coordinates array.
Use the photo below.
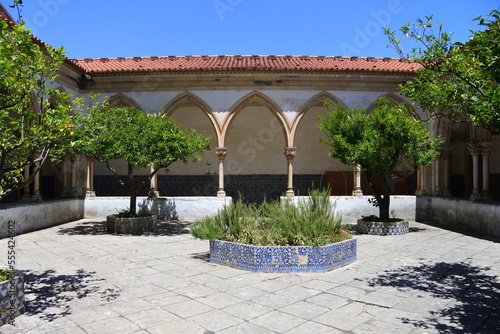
{"type": "Point", "coordinates": [381, 228]}
{"type": "Point", "coordinates": [11, 299]}
{"type": "Point", "coordinates": [283, 259]}
{"type": "Point", "coordinates": [135, 226]}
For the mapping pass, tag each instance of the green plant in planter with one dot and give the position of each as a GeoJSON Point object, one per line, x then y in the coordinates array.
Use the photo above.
{"type": "Point", "coordinates": [126, 213]}
{"type": "Point", "coordinates": [6, 274]}
{"type": "Point", "coordinates": [313, 222]}
{"type": "Point", "coordinates": [389, 137]}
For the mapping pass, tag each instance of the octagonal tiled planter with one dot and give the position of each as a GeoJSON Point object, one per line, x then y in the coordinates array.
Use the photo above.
{"type": "Point", "coordinates": [383, 228]}
{"type": "Point", "coordinates": [135, 226]}
{"type": "Point", "coordinates": [11, 299]}
{"type": "Point", "coordinates": [281, 259]}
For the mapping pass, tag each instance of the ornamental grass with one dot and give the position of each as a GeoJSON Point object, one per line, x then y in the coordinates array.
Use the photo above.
{"type": "Point", "coordinates": [311, 222]}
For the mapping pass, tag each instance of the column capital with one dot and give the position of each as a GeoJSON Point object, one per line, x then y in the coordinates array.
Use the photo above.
{"type": "Point", "coordinates": [221, 152]}
{"type": "Point", "coordinates": [474, 149]}
{"type": "Point", "coordinates": [446, 152]}
{"type": "Point", "coordinates": [290, 152]}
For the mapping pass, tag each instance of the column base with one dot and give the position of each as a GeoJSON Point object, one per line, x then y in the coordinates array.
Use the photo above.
{"type": "Point", "coordinates": [421, 192]}
{"type": "Point", "coordinates": [221, 194]}
{"type": "Point", "coordinates": [357, 193]}
{"type": "Point", "coordinates": [475, 197]}
{"type": "Point", "coordinates": [153, 194]}
{"type": "Point", "coordinates": [90, 193]}
{"type": "Point", "coordinates": [290, 193]}
{"type": "Point", "coordinates": [36, 198]}
{"type": "Point", "coordinates": [437, 193]}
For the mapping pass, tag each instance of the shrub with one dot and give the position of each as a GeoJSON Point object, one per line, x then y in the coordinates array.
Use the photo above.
{"type": "Point", "coordinates": [6, 274]}
{"type": "Point", "coordinates": [312, 222]}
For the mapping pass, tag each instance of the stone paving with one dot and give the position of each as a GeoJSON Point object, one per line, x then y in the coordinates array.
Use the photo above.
{"type": "Point", "coordinates": [82, 280]}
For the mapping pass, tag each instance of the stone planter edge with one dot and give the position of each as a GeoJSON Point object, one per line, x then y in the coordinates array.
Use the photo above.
{"type": "Point", "coordinates": [283, 259]}
{"type": "Point", "coordinates": [11, 299]}
{"type": "Point", "coordinates": [381, 228]}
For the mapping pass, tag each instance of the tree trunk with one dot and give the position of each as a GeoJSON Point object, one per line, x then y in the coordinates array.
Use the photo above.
{"type": "Point", "coordinates": [384, 205]}
{"type": "Point", "coordinates": [132, 189]}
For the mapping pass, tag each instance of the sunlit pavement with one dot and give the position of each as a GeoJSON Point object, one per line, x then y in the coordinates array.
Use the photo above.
{"type": "Point", "coordinates": [79, 279]}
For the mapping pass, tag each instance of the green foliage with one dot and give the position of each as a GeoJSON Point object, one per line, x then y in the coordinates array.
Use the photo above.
{"type": "Point", "coordinates": [312, 222]}
{"type": "Point", "coordinates": [381, 141]}
{"type": "Point", "coordinates": [6, 274]}
{"type": "Point", "coordinates": [455, 78]}
{"type": "Point", "coordinates": [143, 212]}
{"type": "Point", "coordinates": [31, 128]}
{"type": "Point", "coordinates": [141, 139]}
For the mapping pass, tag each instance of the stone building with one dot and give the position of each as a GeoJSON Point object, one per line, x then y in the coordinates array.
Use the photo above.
{"type": "Point", "coordinates": [261, 112]}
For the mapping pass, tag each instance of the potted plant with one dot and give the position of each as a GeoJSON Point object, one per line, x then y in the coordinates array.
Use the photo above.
{"type": "Point", "coordinates": [11, 295]}
{"type": "Point", "coordinates": [142, 140]}
{"type": "Point", "coordinates": [278, 237]}
{"type": "Point", "coordinates": [389, 142]}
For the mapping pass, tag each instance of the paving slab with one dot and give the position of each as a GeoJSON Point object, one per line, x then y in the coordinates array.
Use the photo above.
{"type": "Point", "coordinates": [81, 280]}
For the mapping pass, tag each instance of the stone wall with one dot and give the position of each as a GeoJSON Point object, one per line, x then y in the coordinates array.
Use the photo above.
{"type": "Point", "coordinates": [481, 217]}
{"type": "Point", "coordinates": [353, 208]}
{"type": "Point", "coordinates": [181, 208]}
{"type": "Point", "coordinates": [36, 216]}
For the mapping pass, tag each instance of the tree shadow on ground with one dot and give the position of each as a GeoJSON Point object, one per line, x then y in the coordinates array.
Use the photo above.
{"type": "Point", "coordinates": [474, 295]}
{"type": "Point", "coordinates": [203, 256]}
{"type": "Point", "coordinates": [49, 295]}
{"type": "Point", "coordinates": [163, 228]}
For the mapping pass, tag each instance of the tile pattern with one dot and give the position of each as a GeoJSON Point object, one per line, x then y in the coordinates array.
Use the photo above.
{"type": "Point", "coordinates": [254, 188]}
{"type": "Point", "coordinates": [378, 228]}
{"type": "Point", "coordinates": [11, 291]}
{"type": "Point", "coordinates": [281, 259]}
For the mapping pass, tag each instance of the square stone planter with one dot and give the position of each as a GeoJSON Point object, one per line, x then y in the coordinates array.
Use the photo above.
{"type": "Point", "coordinates": [11, 299]}
{"type": "Point", "coordinates": [281, 259]}
{"type": "Point", "coordinates": [383, 228]}
{"type": "Point", "coordinates": [134, 226]}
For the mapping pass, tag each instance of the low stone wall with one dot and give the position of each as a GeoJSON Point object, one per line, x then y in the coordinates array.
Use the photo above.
{"type": "Point", "coordinates": [36, 216]}
{"type": "Point", "coordinates": [481, 217]}
{"type": "Point", "coordinates": [180, 208]}
{"type": "Point", "coordinates": [353, 208]}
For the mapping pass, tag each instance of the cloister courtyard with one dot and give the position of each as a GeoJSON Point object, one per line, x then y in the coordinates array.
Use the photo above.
{"type": "Point", "coordinates": [80, 279]}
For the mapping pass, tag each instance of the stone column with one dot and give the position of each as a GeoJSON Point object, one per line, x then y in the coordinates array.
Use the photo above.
{"type": "Point", "coordinates": [290, 154]}
{"type": "Point", "coordinates": [90, 178]}
{"type": "Point", "coordinates": [68, 180]}
{"type": "Point", "coordinates": [357, 191]}
{"type": "Point", "coordinates": [221, 155]}
{"type": "Point", "coordinates": [36, 197]}
{"type": "Point", "coordinates": [485, 153]}
{"type": "Point", "coordinates": [421, 181]}
{"type": "Point", "coordinates": [153, 189]}
{"type": "Point", "coordinates": [436, 176]}
{"type": "Point", "coordinates": [26, 193]}
{"type": "Point", "coordinates": [74, 189]}
{"type": "Point", "coordinates": [475, 151]}
{"type": "Point", "coordinates": [446, 154]}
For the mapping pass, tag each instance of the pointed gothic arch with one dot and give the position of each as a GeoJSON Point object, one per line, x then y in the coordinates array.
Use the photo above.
{"type": "Point", "coordinates": [122, 100]}
{"type": "Point", "coordinates": [189, 99]}
{"type": "Point", "coordinates": [258, 98]}
{"type": "Point", "coordinates": [314, 101]}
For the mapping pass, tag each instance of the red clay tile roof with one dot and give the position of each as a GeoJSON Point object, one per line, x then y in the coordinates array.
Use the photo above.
{"type": "Point", "coordinates": [245, 64]}
{"type": "Point", "coordinates": [5, 15]}
{"type": "Point", "coordinates": [198, 64]}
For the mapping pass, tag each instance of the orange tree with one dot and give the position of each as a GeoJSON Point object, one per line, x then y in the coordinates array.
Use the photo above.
{"type": "Point", "coordinates": [31, 128]}
{"type": "Point", "coordinates": [381, 141]}
{"type": "Point", "coordinates": [141, 139]}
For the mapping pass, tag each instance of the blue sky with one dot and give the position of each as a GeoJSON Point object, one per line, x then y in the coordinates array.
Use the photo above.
{"type": "Point", "coordinates": [110, 28]}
